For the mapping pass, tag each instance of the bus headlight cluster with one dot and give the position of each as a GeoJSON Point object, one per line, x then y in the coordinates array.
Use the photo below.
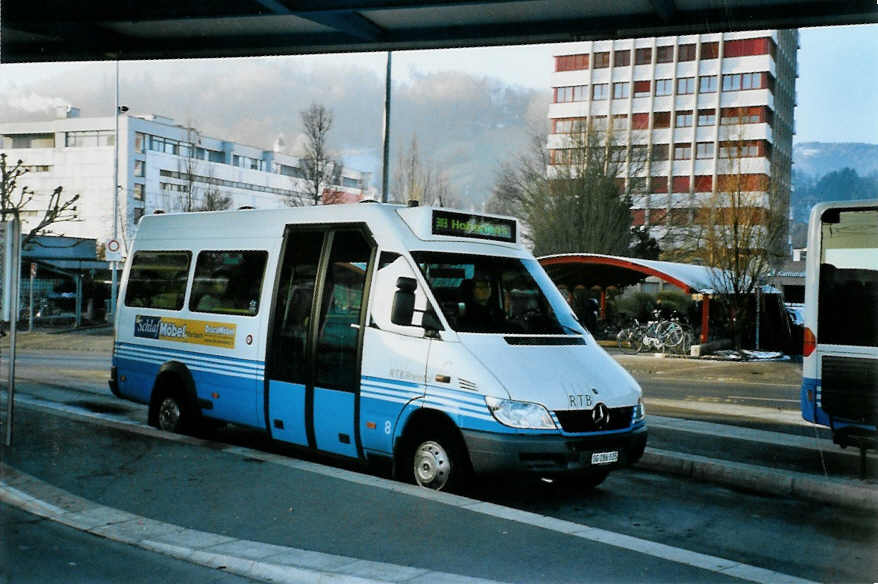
{"type": "Point", "coordinates": [639, 410]}
{"type": "Point", "coordinates": [518, 414]}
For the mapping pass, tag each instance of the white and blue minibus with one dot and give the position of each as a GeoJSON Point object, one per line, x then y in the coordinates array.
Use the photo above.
{"type": "Point", "coordinates": [840, 352]}
{"type": "Point", "coordinates": [426, 336]}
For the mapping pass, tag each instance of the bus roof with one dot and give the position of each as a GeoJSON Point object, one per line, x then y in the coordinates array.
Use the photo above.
{"type": "Point", "coordinates": [394, 225]}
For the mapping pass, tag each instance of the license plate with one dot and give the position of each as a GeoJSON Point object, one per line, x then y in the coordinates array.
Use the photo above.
{"type": "Point", "coordinates": [605, 457]}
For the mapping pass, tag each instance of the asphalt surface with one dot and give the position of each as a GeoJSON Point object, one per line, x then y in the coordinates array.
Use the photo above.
{"type": "Point", "coordinates": [268, 516]}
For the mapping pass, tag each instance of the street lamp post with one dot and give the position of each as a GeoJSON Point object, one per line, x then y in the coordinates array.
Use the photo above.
{"type": "Point", "coordinates": [114, 267]}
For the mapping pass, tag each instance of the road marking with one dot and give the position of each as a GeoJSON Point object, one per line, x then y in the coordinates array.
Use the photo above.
{"type": "Point", "coordinates": [767, 399]}
{"type": "Point", "coordinates": [705, 562]}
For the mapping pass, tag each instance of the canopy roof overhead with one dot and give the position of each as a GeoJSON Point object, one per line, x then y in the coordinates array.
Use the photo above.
{"type": "Point", "coordinates": [602, 270]}
{"type": "Point", "coordinates": [56, 30]}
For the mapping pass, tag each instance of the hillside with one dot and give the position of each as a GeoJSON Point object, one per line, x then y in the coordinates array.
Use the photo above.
{"type": "Point", "coordinates": [816, 159]}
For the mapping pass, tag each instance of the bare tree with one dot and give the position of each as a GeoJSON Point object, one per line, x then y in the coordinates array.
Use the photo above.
{"type": "Point", "coordinates": [214, 200]}
{"type": "Point", "coordinates": [418, 179]}
{"type": "Point", "coordinates": [740, 228]}
{"type": "Point", "coordinates": [14, 201]}
{"type": "Point", "coordinates": [582, 202]}
{"type": "Point", "coordinates": [317, 163]}
{"type": "Point", "coordinates": [189, 168]}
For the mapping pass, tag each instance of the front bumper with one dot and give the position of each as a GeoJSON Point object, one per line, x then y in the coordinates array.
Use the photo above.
{"type": "Point", "coordinates": [552, 454]}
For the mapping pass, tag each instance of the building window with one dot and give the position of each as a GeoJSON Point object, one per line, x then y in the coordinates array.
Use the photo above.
{"type": "Point", "coordinates": [704, 150]}
{"type": "Point", "coordinates": [600, 91]}
{"type": "Point", "coordinates": [643, 56]}
{"type": "Point", "coordinates": [664, 86]}
{"type": "Point", "coordinates": [139, 140]}
{"type": "Point", "coordinates": [85, 139]}
{"type": "Point", "coordinates": [707, 117]}
{"type": "Point", "coordinates": [641, 88]}
{"type": "Point", "coordinates": [138, 214]}
{"type": "Point", "coordinates": [686, 52]}
{"type": "Point", "coordinates": [640, 121]}
{"type": "Point", "coordinates": [620, 90]}
{"type": "Point", "coordinates": [707, 84]}
{"type": "Point", "coordinates": [571, 62]}
{"type": "Point", "coordinates": [683, 151]}
{"type": "Point", "coordinates": [664, 54]}
{"type": "Point", "coordinates": [661, 120]}
{"type": "Point", "coordinates": [709, 51]}
{"type": "Point", "coordinates": [138, 192]}
{"type": "Point", "coordinates": [621, 58]}
{"type": "Point", "coordinates": [660, 152]}
{"type": "Point", "coordinates": [567, 125]}
{"type": "Point", "coordinates": [730, 116]}
{"type": "Point", "coordinates": [683, 119]}
{"type": "Point", "coordinates": [571, 93]}
{"type": "Point", "coordinates": [598, 123]}
{"type": "Point", "coordinates": [620, 122]}
{"type": "Point", "coordinates": [601, 60]}
{"type": "Point", "coordinates": [743, 81]}
{"type": "Point", "coordinates": [743, 149]}
{"type": "Point", "coordinates": [639, 153]}
{"type": "Point", "coordinates": [685, 85]}
{"type": "Point", "coordinates": [139, 168]}
{"type": "Point", "coordinates": [617, 154]}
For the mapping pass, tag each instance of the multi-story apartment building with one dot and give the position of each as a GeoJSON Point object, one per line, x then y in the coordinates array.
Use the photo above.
{"type": "Point", "coordinates": [162, 166]}
{"type": "Point", "coordinates": [690, 112]}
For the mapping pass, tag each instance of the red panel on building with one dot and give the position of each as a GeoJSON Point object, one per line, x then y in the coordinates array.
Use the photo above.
{"type": "Point", "coordinates": [638, 217]}
{"type": "Point", "coordinates": [680, 184]}
{"type": "Point", "coordinates": [571, 62]}
{"type": "Point", "coordinates": [748, 47]}
{"type": "Point", "coordinates": [658, 184]}
{"type": "Point", "coordinates": [703, 184]}
{"type": "Point", "coordinates": [640, 121]}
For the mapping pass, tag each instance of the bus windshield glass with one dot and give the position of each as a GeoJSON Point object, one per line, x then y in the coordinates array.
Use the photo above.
{"type": "Point", "coordinates": [848, 296]}
{"type": "Point", "coordinates": [486, 294]}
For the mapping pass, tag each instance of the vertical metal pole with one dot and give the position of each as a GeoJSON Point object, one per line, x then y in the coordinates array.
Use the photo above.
{"type": "Point", "coordinates": [385, 171]}
{"type": "Point", "coordinates": [13, 278]}
{"type": "Point", "coordinates": [30, 309]}
{"type": "Point", "coordinates": [758, 311]}
{"type": "Point", "coordinates": [115, 283]}
{"type": "Point", "coordinates": [78, 300]}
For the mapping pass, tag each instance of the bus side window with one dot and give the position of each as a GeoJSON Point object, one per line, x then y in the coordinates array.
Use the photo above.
{"type": "Point", "coordinates": [228, 282]}
{"type": "Point", "coordinates": [157, 279]}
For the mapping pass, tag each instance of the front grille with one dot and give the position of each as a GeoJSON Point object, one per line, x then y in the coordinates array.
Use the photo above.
{"type": "Point", "coordinates": [576, 421]}
{"type": "Point", "coordinates": [850, 388]}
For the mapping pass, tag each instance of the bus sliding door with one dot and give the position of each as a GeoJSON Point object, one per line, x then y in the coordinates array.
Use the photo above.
{"type": "Point", "coordinates": [313, 373]}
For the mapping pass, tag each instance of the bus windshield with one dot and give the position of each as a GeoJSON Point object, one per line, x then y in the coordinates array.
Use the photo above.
{"type": "Point", "coordinates": [848, 294]}
{"type": "Point", "coordinates": [485, 294]}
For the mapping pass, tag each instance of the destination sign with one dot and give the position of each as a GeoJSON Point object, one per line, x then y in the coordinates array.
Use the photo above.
{"type": "Point", "coordinates": [473, 226]}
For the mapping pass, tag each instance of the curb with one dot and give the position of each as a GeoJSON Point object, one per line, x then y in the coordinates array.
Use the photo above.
{"type": "Point", "coordinates": [249, 559]}
{"type": "Point", "coordinates": [760, 479]}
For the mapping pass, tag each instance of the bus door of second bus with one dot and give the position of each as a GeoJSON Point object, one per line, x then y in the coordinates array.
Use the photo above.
{"type": "Point", "coordinates": [315, 339]}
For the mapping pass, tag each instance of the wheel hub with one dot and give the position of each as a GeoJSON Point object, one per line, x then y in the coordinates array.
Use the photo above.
{"type": "Point", "coordinates": [169, 414]}
{"type": "Point", "coordinates": [432, 465]}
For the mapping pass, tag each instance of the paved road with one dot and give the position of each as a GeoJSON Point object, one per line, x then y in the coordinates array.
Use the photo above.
{"type": "Point", "coordinates": [34, 550]}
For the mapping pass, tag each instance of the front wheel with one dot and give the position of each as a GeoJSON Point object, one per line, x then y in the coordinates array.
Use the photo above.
{"type": "Point", "coordinates": [437, 461]}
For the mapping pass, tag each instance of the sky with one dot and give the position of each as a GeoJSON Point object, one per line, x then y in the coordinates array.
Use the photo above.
{"type": "Point", "coordinates": [837, 85]}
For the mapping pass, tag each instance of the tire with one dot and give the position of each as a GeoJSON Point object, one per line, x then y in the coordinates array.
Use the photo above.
{"type": "Point", "coordinates": [626, 340]}
{"type": "Point", "coordinates": [437, 460]}
{"type": "Point", "coordinates": [172, 414]}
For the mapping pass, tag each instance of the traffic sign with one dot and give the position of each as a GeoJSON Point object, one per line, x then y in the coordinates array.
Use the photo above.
{"type": "Point", "coordinates": [113, 251]}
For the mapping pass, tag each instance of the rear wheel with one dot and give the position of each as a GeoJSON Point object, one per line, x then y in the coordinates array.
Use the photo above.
{"type": "Point", "coordinates": [171, 413]}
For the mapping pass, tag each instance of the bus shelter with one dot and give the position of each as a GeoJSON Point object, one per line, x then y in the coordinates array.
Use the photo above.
{"type": "Point", "coordinates": [604, 271]}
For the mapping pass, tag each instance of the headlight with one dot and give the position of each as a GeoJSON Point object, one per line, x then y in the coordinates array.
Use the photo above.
{"type": "Point", "coordinates": [519, 414]}
{"type": "Point", "coordinates": [640, 410]}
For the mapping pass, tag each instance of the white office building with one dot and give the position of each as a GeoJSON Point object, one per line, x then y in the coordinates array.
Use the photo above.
{"type": "Point", "coordinates": [689, 110]}
{"type": "Point", "coordinates": [162, 167]}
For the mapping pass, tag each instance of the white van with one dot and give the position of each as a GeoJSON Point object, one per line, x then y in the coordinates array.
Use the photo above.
{"type": "Point", "coordinates": [427, 336]}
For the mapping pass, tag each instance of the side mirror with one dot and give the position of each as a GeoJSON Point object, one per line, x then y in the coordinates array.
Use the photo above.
{"type": "Point", "coordinates": [403, 308]}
